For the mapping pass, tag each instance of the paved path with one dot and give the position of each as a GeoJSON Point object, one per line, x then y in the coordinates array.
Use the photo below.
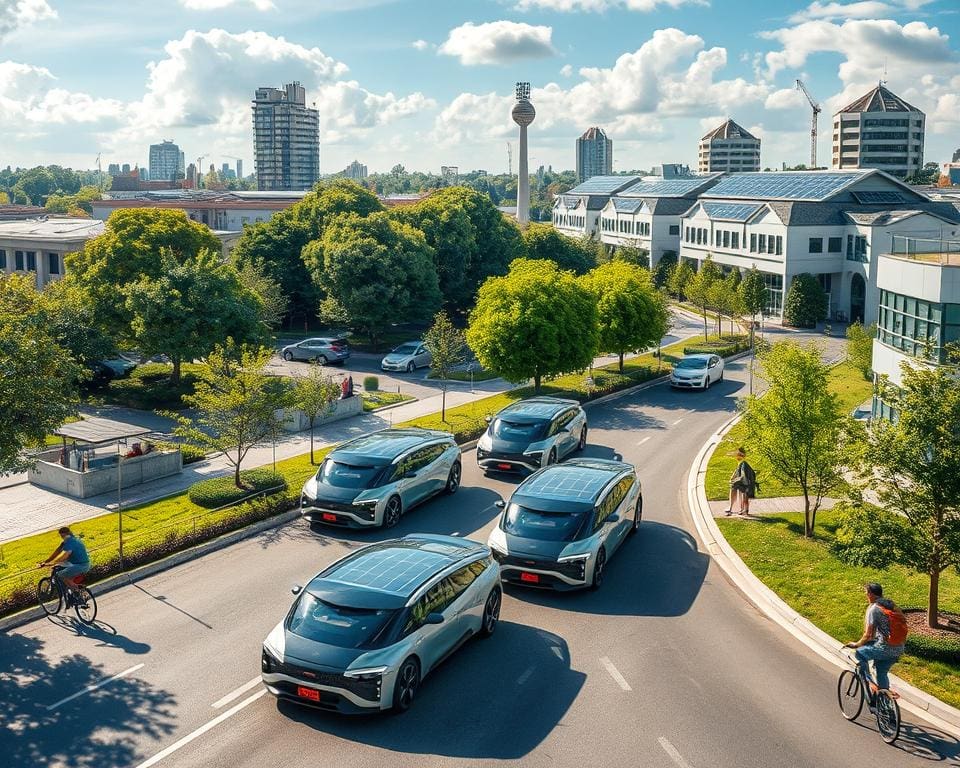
{"type": "Point", "coordinates": [775, 506]}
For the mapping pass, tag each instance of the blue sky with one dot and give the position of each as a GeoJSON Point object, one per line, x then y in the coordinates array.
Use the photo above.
{"type": "Point", "coordinates": [428, 83]}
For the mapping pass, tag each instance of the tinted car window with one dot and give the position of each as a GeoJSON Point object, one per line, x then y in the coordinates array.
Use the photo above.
{"type": "Point", "coordinates": [515, 431]}
{"type": "Point", "coordinates": [406, 349]}
{"type": "Point", "coordinates": [342, 475]}
{"type": "Point", "coordinates": [437, 598]}
{"type": "Point", "coordinates": [686, 363]}
{"type": "Point", "coordinates": [460, 580]}
{"type": "Point", "coordinates": [538, 524]}
{"type": "Point", "coordinates": [337, 625]}
{"type": "Point", "coordinates": [612, 500]}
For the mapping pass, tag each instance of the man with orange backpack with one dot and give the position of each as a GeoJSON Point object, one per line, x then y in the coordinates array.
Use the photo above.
{"type": "Point", "coordinates": [884, 636]}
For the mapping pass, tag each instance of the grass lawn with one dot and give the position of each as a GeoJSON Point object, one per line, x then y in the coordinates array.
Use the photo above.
{"type": "Point", "coordinates": [827, 592]}
{"type": "Point", "coordinates": [478, 375]}
{"type": "Point", "coordinates": [852, 390]}
{"type": "Point", "coordinates": [377, 399]}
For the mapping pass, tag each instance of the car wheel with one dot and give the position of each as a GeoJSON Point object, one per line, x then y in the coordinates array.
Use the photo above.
{"type": "Point", "coordinates": [491, 613]}
{"type": "Point", "coordinates": [453, 479]}
{"type": "Point", "coordinates": [598, 568]}
{"type": "Point", "coordinates": [321, 360]}
{"type": "Point", "coordinates": [583, 439]}
{"type": "Point", "coordinates": [552, 457]}
{"type": "Point", "coordinates": [391, 515]}
{"type": "Point", "coordinates": [637, 515]}
{"type": "Point", "coordinates": [411, 367]}
{"type": "Point", "coordinates": [288, 356]}
{"type": "Point", "coordinates": [408, 682]}
{"type": "Point", "coordinates": [721, 376]}
{"type": "Point", "coordinates": [706, 382]}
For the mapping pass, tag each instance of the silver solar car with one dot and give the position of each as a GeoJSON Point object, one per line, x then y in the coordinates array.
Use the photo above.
{"type": "Point", "coordinates": [364, 632]}
{"type": "Point", "coordinates": [373, 480]}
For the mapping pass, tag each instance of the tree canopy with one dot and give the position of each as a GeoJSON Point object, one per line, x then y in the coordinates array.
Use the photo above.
{"type": "Point", "coordinates": [543, 241]}
{"type": "Point", "coordinates": [448, 349]}
{"type": "Point", "coordinates": [806, 302]}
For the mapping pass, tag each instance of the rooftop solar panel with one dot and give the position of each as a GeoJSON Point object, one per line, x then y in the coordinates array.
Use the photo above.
{"type": "Point", "coordinates": [535, 408]}
{"type": "Point", "coordinates": [868, 198]}
{"type": "Point", "coordinates": [602, 185]}
{"type": "Point", "coordinates": [627, 206]}
{"type": "Point", "coordinates": [666, 187]}
{"type": "Point", "coordinates": [731, 211]}
{"type": "Point", "coordinates": [796, 185]}
{"type": "Point", "coordinates": [383, 445]}
{"type": "Point", "coordinates": [567, 483]}
{"type": "Point", "coordinates": [396, 569]}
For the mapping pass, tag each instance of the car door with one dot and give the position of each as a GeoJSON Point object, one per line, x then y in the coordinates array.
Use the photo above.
{"type": "Point", "coordinates": [414, 482]}
{"type": "Point", "coordinates": [422, 357]}
{"type": "Point", "coordinates": [607, 521]}
{"type": "Point", "coordinates": [302, 351]}
{"type": "Point", "coordinates": [431, 642]}
{"type": "Point", "coordinates": [436, 470]}
{"type": "Point", "coordinates": [468, 601]}
{"type": "Point", "coordinates": [714, 369]}
{"type": "Point", "coordinates": [566, 440]}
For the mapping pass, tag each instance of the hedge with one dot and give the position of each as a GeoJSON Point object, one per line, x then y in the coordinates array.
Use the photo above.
{"type": "Point", "coordinates": [149, 387]}
{"type": "Point", "coordinates": [725, 347]}
{"type": "Point", "coordinates": [220, 491]}
{"type": "Point", "coordinates": [934, 648]}
{"type": "Point", "coordinates": [191, 453]}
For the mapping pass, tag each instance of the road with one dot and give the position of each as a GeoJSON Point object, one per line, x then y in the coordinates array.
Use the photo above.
{"type": "Point", "coordinates": [667, 665]}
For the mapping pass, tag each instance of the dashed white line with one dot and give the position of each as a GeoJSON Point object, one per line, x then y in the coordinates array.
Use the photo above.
{"type": "Point", "coordinates": [525, 676]}
{"type": "Point", "coordinates": [615, 673]}
{"type": "Point", "coordinates": [235, 694]}
{"type": "Point", "coordinates": [94, 686]}
{"type": "Point", "coordinates": [673, 753]}
{"type": "Point", "coordinates": [679, 420]}
{"type": "Point", "coordinates": [201, 730]}
{"type": "Point", "coordinates": [641, 442]}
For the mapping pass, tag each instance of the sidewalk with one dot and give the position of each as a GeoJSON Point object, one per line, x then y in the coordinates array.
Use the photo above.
{"type": "Point", "coordinates": [775, 506]}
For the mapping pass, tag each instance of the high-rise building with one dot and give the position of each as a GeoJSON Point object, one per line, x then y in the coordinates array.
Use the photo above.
{"type": "Point", "coordinates": [523, 115]}
{"type": "Point", "coordinates": [729, 147]}
{"type": "Point", "coordinates": [879, 130]}
{"type": "Point", "coordinates": [113, 169]}
{"type": "Point", "coordinates": [239, 168]}
{"type": "Point", "coordinates": [126, 168]}
{"type": "Point", "coordinates": [166, 161]}
{"type": "Point", "coordinates": [356, 171]}
{"type": "Point", "coordinates": [594, 154]}
{"type": "Point", "coordinates": [286, 139]}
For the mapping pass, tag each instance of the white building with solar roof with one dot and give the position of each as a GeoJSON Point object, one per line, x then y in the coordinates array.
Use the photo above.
{"type": "Point", "coordinates": [577, 213]}
{"type": "Point", "coordinates": [835, 225]}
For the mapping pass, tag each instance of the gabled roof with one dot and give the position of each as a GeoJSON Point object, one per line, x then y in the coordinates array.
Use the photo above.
{"type": "Point", "coordinates": [879, 99]}
{"type": "Point", "coordinates": [603, 185]}
{"type": "Point", "coordinates": [882, 218]}
{"type": "Point", "coordinates": [626, 204]}
{"type": "Point", "coordinates": [812, 186]}
{"type": "Point", "coordinates": [682, 187]}
{"type": "Point", "coordinates": [592, 134]}
{"type": "Point", "coordinates": [729, 130]}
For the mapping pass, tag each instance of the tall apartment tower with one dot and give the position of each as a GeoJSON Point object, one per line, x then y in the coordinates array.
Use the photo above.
{"type": "Point", "coordinates": [286, 139]}
{"type": "Point", "coordinates": [356, 171]}
{"type": "Point", "coordinates": [729, 147]}
{"type": "Point", "coordinates": [239, 168]}
{"type": "Point", "coordinates": [879, 130]}
{"type": "Point", "coordinates": [594, 154]}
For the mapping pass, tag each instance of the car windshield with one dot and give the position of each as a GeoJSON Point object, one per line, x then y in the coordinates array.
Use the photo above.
{"type": "Point", "coordinates": [342, 475]}
{"type": "Point", "coordinates": [337, 625]}
{"type": "Point", "coordinates": [689, 362]}
{"type": "Point", "coordinates": [538, 524]}
{"type": "Point", "coordinates": [519, 431]}
{"type": "Point", "coordinates": [406, 349]}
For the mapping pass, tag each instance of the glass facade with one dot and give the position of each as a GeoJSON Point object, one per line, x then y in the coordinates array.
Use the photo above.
{"type": "Point", "coordinates": [774, 284]}
{"type": "Point", "coordinates": [913, 325]}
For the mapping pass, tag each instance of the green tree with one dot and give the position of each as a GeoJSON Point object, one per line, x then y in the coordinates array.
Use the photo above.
{"type": "Point", "coordinates": [633, 255]}
{"type": "Point", "coordinates": [273, 301]}
{"type": "Point", "coordinates": [542, 241]}
{"type": "Point", "coordinates": [448, 348]}
{"type": "Point", "coordinates": [699, 290]}
{"type": "Point", "coordinates": [80, 202]}
{"type": "Point", "coordinates": [38, 375]}
{"type": "Point", "coordinates": [910, 466]}
{"type": "Point", "coordinates": [797, 425]}
{"type": "Point", "coordinates": [725, 298]}
{"type": "Point", "coordinates": [376, 270]}
{"type": "Point", "coordinates": [190, 308]}
{"type": "Point", "coordinates": [237, 405]}
{"type": "Point", "coordinates": [535, 321]}
{"type": "Point", "coordinates": [665, 265]}
{"type": "Point", "coordinates": [860, 347]}
{"type": "Point", "coordinates": [753, 295]}
{"type": "Point", "coordinates": [631, 313]}
{"type": "Point", "coordinates": [679, 278]}
{"type": "Point", "coordinates": [72, 320]}
{"type": "Point", "coordinates": [314, 395]}
{"type": "Point", "coordinates": [806, 302]}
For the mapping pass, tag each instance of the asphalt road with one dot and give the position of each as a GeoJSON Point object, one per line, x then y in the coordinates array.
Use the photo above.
{"type": "Point", "coordinates": [667, 665]}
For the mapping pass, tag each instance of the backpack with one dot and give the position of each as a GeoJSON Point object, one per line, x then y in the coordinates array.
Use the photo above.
{"type": "Point", "coordinates": [750, 480]}
{"type": "Point", "coordinates": [897, 622]}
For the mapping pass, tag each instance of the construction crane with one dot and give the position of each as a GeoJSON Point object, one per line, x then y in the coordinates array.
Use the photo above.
{"type": "Point", "coordinates": [199, 179]}
{"type": "Point", "coordinates": [813, 123]}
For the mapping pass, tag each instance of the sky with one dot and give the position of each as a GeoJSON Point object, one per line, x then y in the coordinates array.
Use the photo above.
{"type": "Point", "coordinates": [426, 83]}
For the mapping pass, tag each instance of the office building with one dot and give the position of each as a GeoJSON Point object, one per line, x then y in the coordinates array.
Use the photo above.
{"type": "Point", "coordinates": [113, 169]}
{"type": "Point", "coordinates": [239, 168]}
{"type": "Point", "coordinates": [729, 147]}
{"type": "Point", "coordinates": [577, 213]}
{"type": "Point", "coordinates": [594, 155]}
{"type": "Point", "coordinates": [226, 172]}
{"type": "Point", "coordinates": [37, 246]}
{"type": "Point", "coordinates": [355, 171]}
{"type": "Point", "coordinates": [879, 130]}
{"type": "Point", "coordinates": [286, 139]}
{"type": "Point", "coordinates": [165, 162]}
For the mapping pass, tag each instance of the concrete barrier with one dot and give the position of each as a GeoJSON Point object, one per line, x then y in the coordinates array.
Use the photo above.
{"type": "Point", "coordinates": [294, 419]}
{"type": "Point", "coordinates": [106, 477]}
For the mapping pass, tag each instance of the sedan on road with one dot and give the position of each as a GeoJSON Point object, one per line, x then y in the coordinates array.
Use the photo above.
{"type": "Point", "coordinates": [364, 632]}
{"type": "Point", "coordinates": [322, 349]}
{"type": "Point", "coordinates": [407, 357]}
{"type": "Point", "coordinates": [532, 433]}
{"type": "Point", "coordinates": [697, 372]}
{"type": "Point", "coordinates": [563, 523]}
{"type": "Point", "coordinates": [373, 480]}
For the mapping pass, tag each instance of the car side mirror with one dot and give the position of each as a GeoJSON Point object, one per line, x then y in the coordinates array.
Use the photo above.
{"type": "Point", "coordinates": [296, 589]}
{"type": "Point", "coordinates": [409, 475]}
{"type": "Point", "coordinates": [614, 518]}
{"type": "Point", "coordinates": [433, 618]}
{"type": "Point", "coordinates": [488, 418]}
{"type": "Point", "coordinates": [500, 504]}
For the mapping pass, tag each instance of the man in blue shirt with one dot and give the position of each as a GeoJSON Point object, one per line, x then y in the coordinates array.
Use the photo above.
{"type": "Point", "coordinates": [72, 552]}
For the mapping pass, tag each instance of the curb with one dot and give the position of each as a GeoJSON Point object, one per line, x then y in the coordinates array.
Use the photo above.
{"type": "Point", "coordinates": [938, 713]}
{"type": "Point", "coordinates": [178, 558]}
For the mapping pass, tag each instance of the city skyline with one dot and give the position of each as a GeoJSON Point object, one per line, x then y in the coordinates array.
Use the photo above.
{"type": "Point", "coordinates": [396, 84]}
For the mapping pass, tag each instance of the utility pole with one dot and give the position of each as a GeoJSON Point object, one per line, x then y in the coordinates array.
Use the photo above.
{"type": "Point", "coordinates": [99, 174]}
{"type": "Point", "coordinates": [813, 124]}
{"type": "Point", "coordinates": [509, 159]}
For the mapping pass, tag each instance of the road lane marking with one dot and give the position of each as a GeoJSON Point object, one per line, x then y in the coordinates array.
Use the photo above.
{"type": "Point", "coordinates": [525, 676]}
{"type": "Point", "coordinates": [94, 686]}
{"type": "Point", "coordinates": [641, 442]}
{"type": "Point", "coordinates": [679, 420]}
{"type": "Point", "coordinates": [615, 673]}
{"type": "Point", "coordinates": [201, 730]}
{"type": "Point", "coordinates": [673, 753]}
{"type": "Point", "coordinates": [235, 694]}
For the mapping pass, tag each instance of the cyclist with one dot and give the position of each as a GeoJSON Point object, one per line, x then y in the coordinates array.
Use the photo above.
{"type": "Point", "coordinates": [72, 552]}
{"type": "Point", "coordinates": [884, 636]}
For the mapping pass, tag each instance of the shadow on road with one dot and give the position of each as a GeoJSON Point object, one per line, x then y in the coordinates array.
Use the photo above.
{"type": "Point", "coordinates": [105, 634]}
{"type": "Point", "coordinates": [461, 710]}
{"type": "Point", "coordinates": [97, 729]}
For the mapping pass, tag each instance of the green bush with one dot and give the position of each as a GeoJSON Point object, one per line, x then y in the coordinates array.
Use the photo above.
{"type": "Point", "coordinates": [724, 347]}
{"type": "Point", "coordinates": [806, 302]}
{"type": "Point", "coordinates": [149, 387]}
{"type": "Point", "coordinates": [371, 383]}
{"type": "Point", "coordinates": [933, 648]}
{"type": "Point", "coordinates": [191, 453]}
{"type": "Point", "coordinates": [219, 491]}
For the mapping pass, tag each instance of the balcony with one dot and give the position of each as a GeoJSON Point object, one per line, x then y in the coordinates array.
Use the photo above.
{"type": "Point", "coordinates": [928, 250]}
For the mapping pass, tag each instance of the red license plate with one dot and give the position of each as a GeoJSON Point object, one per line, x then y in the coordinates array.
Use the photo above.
{"type": "Point", "coordinates": [308, 693]}
{"type": "Point", "coordinates": [503, 466]}
{"type": "Point", "coordinates": [329, 516]}
{"type": "Point", "coordinates": [532, 578]}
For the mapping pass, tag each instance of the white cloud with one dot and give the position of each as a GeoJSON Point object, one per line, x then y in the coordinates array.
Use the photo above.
{"type": "Point", "coordinates": [566, 70]}
{"type": "Point", "coordinates": [28, 94]}
{"type": "Point", "coordinates": [216, 5]}
{"type": "Point", "coordinates": [420, 45]}
{"type": "Point", "coordinates": [498, 42]}
{"type": "Point", "coordinates": [785, 98]}
{"type": "Point", "coordinates": [19, 13]}
{"type": "Point", "coordinates": [599, 6]}
{"type": "Point", "coordinates": [863, 9]}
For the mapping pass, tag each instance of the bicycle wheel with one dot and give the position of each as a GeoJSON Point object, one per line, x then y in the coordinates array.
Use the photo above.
{"type": "Point", "coordinates": [888, 717]}
{"type": "Point", "coordinates": [850, 694]}
{"type": "Point", "coordinates": [85, 606]}
{"type": "Point", "coordinates": [48, 595]}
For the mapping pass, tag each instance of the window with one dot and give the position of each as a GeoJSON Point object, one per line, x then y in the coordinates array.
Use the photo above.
{"type": "Point", "coordinates": [31, 261]}
{"type": "Point", "coordinates": [460, 580]}
{"type": "Point", "coordinates": [834, 245]}
{"type": "Point", "coordinates": [726, 239]}
{"type": "Point", "coordinates": [816, 245]}
{"type": "Point", "coordinates": [857, 248]}
{"type": "Point", "coordinates": [774, 286]}
{"type": "Point", "coordinates": [436, 600]}
{"type": "Point", "coordinates": [735, 240]}
{"type": "Point", "coordinates": [753, 242]}
{"type": "Point", "coordinates": [3, 259]}
{"type": "Point", "coordinates": [18, 258]}
{"type": "Point", "coordinates": [771, 244]}
{"type": "Point", "coordinates": [53, 263]}
{"type": "Point", "coordinates": [918, 328]}
{"type": "Point", "coordinates": [762, 243]}
{"type": "Point", "coordinates": [674, 229]}
{"type": "Point", "coordinates": [779, 247]}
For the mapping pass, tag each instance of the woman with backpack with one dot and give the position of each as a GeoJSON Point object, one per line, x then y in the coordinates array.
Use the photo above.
{"type": "Point", "coordinates": [884, 636]}
{"type": "Point", "coordinates": [743, 483]}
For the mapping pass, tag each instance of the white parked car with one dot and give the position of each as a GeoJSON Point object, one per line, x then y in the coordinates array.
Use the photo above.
{"type": "Point", "coordinates": [407, 357]}
{"type": "Point", "coordinates": [697, 371]}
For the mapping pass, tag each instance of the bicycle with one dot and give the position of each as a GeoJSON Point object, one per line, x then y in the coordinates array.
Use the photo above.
{"type": "Point", "coordinates": [852, 690]}
{"type": "Point", "coordinates": [54, 596]}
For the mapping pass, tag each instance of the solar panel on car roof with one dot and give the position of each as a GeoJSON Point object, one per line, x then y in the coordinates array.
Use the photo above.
{"type": "Point", "coordinates": [382, 445]}
{"type": "Point", "coordinates": [567, 483]}
{"type": "Point", "coordinates": [784, 186]}
{"type": "Point", "coordinates": [878, 197]}
{"type": "Point", "coordinates": [535, 409]}
{"type": "Point", "coordinates": [399, 570]}
{"type": "Point", "coordinates": [730, 211]}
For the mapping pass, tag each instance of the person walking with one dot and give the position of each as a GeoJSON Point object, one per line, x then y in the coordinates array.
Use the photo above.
{"type": "Point", "coordinates": [742, 485]}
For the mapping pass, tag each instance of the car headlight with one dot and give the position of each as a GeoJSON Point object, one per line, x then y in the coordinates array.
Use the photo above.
{"type": "Point", "coordinates": [269, 659]}
{"type": "Point", "coordinates": [536, 456]}
{"type": "Point", "coordinates": [497, 549]}
{"type": "Point", "coordinates": [368, 673]}
{"type": "Point", "coordinates": [366, 503]}
{"type": "Point", "coordinates": [574, 558]}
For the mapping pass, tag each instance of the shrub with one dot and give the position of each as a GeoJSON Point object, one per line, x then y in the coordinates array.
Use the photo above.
{"type": "Point", "coordinates": [191, 453]}
{"type": "Point", "coordinates": [934, 648]}
{"type": "Point", "coordinates": [725, 347]}
{"type": "Point", "coordinates": [662, 271]}
{"type": "Point", "coordinates": [371, 384]}
{"type": "Point", "coordinates": [219, 491]}
{"type": "Point", "coordinates": [806, 302]}
{"type": "Point", "coordinates": [149, 388]}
